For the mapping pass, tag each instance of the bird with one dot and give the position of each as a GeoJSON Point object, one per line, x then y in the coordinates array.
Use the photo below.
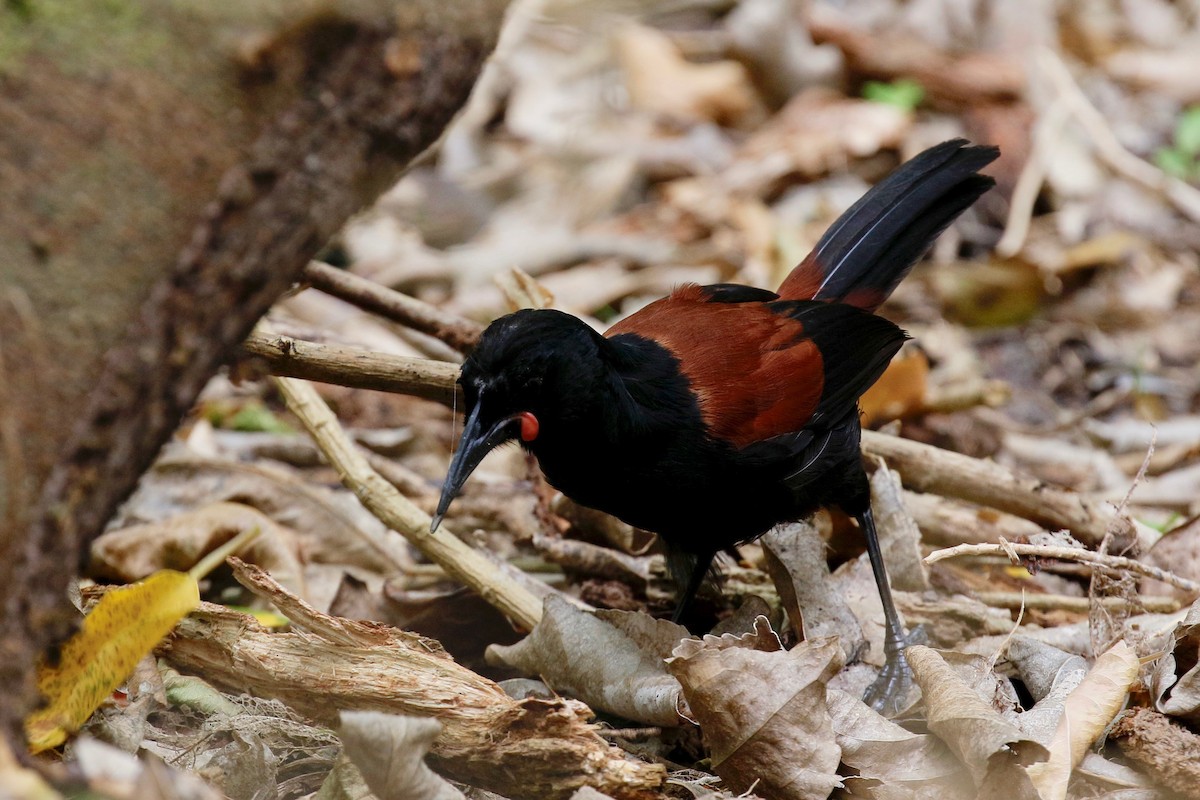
{"type": "Point", "coordinates": [715, 413]}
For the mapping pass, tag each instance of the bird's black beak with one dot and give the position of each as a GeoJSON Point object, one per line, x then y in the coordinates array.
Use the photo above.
{"type": "Point", "coordinates": [472, 447]}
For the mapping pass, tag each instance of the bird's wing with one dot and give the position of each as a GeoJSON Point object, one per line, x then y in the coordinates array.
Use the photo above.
{"type": "Point", "coordinates": [761, 367]}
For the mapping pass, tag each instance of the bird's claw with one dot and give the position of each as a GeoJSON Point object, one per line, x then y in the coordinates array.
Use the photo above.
{"type": "Point", "coordinates": [888, 694]}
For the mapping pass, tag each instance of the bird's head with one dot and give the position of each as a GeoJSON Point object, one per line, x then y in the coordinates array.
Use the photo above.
{"type": "Point", "coordinates": [529, 374]}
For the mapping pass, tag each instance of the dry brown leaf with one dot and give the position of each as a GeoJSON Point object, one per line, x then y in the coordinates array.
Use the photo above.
{"type": "Point", "coordinates": [762, 711]}
{"type": "Point", "coordinates": [879, 749]}
{"type": "Point", "coordinates": [900, 391]}
{"type": "Point", "coordinates": [978, 734]}
{"type": "Point", "coordinates": [1086, 713]}
{"type": "Point", "coordinates": [816, 132]}
{"type": "Point", "coordinates": [1177, 551]}
{"type": "Point", "coordinates": [332, 525]}
{"type": "Point", "coordinates": [1174, 693]}
{"type": "Point", "coordinates": [178, 542]}
{"type": "Point", "coordinates": [585, 656]}
{"type": "Point", "coordinates": [1042, 666]}
{"type": "Point", "coordinates": [899, 536]}
{"type": "Point", "coordinates": [795, 559]}
{"type": "Point", "coordinates": [660, 80]}
{"type": "Point", "coordinates": [389, 750]}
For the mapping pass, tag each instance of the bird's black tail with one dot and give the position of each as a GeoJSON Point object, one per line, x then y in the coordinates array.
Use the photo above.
{"type": "Point", "coordinates": [871, 247]}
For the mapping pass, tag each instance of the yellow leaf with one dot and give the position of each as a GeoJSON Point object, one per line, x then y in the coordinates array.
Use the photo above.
{"type": "Point", "coordinates": [122, 628]}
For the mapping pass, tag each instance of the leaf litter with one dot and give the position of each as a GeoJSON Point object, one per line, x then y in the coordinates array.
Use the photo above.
{"type": "Point", "coordinates": [610, 154]}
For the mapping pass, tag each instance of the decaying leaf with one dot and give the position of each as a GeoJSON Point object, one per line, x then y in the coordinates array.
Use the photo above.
{"type": "Point", "coordinates": [1179, 694]}
{"type": "Point", "coordinates": [389, 750]}
{"type": "Point", "coordinates": [762, 711]}
{"type": "Point", "coordinates": [899, 536]}
{"type": "Point", "coordinates": [978, 734]}
{"type": "Point", "coordinates": [110, 772]}
{"type": "Point", "coordinates": [879, 749]}
{"type": "Point", "coordinates": [795, 558]}
{"type": "Point", "coordinates": [177, 542]}
{"type": "Point", "coordinates": [660, 80]}
{"type": "Point", "coordinates": [585, 656]}
{"type": "Point", "coordinates": [1051, 676]}
{"type": "Point", "coordinates": [1086, 713]}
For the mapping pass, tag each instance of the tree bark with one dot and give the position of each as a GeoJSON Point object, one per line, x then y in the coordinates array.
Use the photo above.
{"type": "Point", "coordinates": [168, 170]}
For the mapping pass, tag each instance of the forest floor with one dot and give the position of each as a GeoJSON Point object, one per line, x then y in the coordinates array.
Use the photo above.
{"type": "Point", "coordinates": [1040, 525]}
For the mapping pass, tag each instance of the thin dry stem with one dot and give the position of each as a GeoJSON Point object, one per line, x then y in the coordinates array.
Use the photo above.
{"type": "Point", "coordinates": [397, 512]}
{"type": "Point", "coordinates": [1065, 602]}
{"type": "Point", "coordinates": [1016, 551]}
{"type": "Point", "coordinates": [931, 469]}
{"type": "Point", "coordinates": [1184, 196]}
{"type": "Point", "coordinates": [458, 332]}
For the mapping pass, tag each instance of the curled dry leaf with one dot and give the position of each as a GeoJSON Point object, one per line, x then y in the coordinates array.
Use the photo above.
{"type": "Point", "coordinates": [879, 749]}
{"type": "Point", "coordinates": [332, 526]}
{"type": "Point", "coordinates": [818, 130]}
{"type": "Point", "coordinates": [583, 655]}
{"type": "Point", "coordinates": [1174, 693]}
{"type": "Point", "coordinates": [389, 750]}
{"type": "Point", "coordinates": [795, 558]}
{"type": "Point", "coordinates": [178, 542]}
{"type": "Point", "coordinates": [1050, 675]}
{"type": "Point", "coordinates": [979, 735]}
{"type": "Point", "coordinates": [762, 711]}
{"type": "Point", "coordinates": [659, 79]}
{"type": "Point", "coordinates": [899, 536]}
{"type": "Point", "coordinates": [1086, 713]}
{"type": "Point", "coordinates": [1041, 665]}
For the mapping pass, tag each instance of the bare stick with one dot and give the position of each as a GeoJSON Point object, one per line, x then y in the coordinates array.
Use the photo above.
{"type": "Point", "coordinates": [1182, 195]}
{"type": "Point", "coordinates": [1119, 563]}
{"type": "Point", "coordinates": [458, 332]}
{"type": "Point", "coordinates": [1029, 183]}
{"type": "Point", "coordinates": [396, 511]}
{"type": "Point", "coordinates": [354, 367]}
{"type": "Point", "coordinates": [931, 469]}
{"type": "Point", "coordinates": [1081, 605]}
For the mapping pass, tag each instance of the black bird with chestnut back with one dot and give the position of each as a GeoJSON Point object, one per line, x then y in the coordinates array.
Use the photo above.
{"type": "Point", "coordinates": [720, 411]}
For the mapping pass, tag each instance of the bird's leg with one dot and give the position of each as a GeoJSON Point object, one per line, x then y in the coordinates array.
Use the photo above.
{"type": "Point", "coordinates": [699, 569]}
{"type": "Point", "coordinates": [891, 687]}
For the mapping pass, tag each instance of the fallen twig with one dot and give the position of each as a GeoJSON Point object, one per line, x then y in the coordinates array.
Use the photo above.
{"type": "Point", "coordinates": [397, 512]}
{"type": "Point", "coordinates": [1119, 563]}
{"type": "Point", "coordinates": [1182, 195]}
{"type": "Point", "coordinates": [1064, 602]}
{"type": "Point", "coordinates": [458, 332]}
{"type": "Point", "coordinates": [354, 367]}
{"type": "Point", "coordinates": [521, 749]}
{"type": "Point", "coordinates": [931, 469]}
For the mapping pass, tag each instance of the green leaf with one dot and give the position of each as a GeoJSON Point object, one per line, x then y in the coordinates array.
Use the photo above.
{"type": "Point", "coordinates": [904, 93]}
{"type": "Point", "coordinates": [1187, 132]}
{"type": "Point", "coordinates": [257, 417]}
{"type": "Point", "coordinates": [1174, 162]}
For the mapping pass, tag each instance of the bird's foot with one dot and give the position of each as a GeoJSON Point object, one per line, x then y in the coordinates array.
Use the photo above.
{"type": "Point", "coordinates": [889, 692]}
